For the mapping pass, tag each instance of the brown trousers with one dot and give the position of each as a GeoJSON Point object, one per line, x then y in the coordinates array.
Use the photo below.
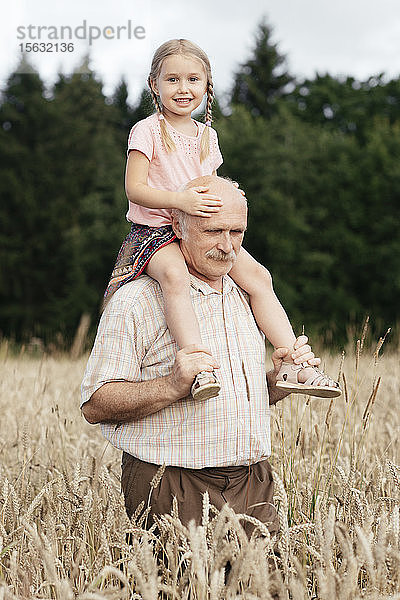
{"type": "Point", "coordinates": [246, 489]}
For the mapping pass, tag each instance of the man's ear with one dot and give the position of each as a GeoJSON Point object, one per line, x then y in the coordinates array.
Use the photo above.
{"type": "Point", "coordinates": [176, 226]}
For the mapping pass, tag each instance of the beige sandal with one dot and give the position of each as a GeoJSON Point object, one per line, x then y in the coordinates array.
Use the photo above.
{"type": "Point", "coordinates": [318, 384]}
{"type": "Point", "coordinates": [205, 386]}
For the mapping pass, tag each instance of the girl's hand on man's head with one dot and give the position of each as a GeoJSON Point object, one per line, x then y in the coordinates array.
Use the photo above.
{"type": "Point", "coordinates": [196, 202]}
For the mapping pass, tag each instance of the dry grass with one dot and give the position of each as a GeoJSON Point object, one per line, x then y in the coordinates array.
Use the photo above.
{"type": "Point", "coordinates": [63, 526]}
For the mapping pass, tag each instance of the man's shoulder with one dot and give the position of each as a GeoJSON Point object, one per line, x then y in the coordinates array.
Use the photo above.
{"type": "Point", "coordinates": [136, 294]}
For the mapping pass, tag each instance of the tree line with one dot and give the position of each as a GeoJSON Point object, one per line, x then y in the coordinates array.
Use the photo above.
{"type": "Point", "coordinates": [318, 159]}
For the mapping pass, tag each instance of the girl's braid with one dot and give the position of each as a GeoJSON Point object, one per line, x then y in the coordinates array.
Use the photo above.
{"type": "Point", "coordinates": [154, 97]}
{"type": "Point", "coordinates": [205, 138]}
{"type": "Point", "coordinates": [166, 138]}
{"type": "Point", "coordinates": [210, 98]}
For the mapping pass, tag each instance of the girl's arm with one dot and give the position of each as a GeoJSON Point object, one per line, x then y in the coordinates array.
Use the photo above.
{"type": "Point", "coordinates": [137, 190]}
{"type": "Point", "coordinates": [193, 201]}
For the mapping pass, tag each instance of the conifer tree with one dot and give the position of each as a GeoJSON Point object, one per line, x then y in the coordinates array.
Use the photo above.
{"type": "Point", "coordinates": [144, 107]}
{"type": "Point", "coordinates": [91, 195]}
{"type": "Point", "coordinates": [26, 234]}
{"type": "Point", "coordinates": [62, 202]}
{"type": "Point", "coordinates": [263, 79]}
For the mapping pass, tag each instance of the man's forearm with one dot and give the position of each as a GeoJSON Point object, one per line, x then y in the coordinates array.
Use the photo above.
{"type": "Point", "coordinates": [124, 401]}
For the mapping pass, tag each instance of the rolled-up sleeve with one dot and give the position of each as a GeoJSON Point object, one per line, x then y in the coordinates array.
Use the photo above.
{"type": "Point", "coordinates": [117, 352]}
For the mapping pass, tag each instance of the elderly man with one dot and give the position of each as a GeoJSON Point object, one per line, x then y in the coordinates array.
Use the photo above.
{"type": "Point", "coordinates": [137, 386]}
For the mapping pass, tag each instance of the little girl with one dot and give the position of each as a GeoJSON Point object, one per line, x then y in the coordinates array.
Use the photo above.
{"type": "Point", "coordinates": [169, 149]}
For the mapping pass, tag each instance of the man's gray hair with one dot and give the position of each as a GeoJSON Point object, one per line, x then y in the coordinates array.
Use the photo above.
{"type": "Point", "coordinates": [182, 218]}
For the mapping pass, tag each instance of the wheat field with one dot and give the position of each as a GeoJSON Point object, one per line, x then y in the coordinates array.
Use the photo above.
{"type": "Point", "coordinates": [64, 533]}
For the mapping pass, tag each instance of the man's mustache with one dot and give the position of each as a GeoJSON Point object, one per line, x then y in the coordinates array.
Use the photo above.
{"type": "Point", "coordinates": [220, 255]}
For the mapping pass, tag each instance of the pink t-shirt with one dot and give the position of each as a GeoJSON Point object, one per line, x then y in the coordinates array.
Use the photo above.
{"type": "Point", "coordinates": [169, 170]}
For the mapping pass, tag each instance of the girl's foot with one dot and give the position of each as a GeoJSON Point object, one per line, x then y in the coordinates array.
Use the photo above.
{"type": "Point", "coordinates": [205, 386]}
{"type": "Point", "coordinates": [303, 379]}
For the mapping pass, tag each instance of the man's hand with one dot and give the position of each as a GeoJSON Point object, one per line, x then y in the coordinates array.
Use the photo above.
{"type": "Point", "coordinates": [125, 401]}
{"type": "Point", "coordinates": [190, 361]}
{"type": "Point", "coordinates": [302, 353]}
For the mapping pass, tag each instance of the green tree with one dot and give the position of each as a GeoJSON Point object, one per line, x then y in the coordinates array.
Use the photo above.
{"type": "Point", "coordinates": [127, 115]}
{"type": "Point", "coordinates": [144, 107]}
{"type": "Point", "coordinates": [91, 196]}
{"type": "Point", "coordinates": [263, 79]}
{"type": "Point", "coordinates": [25, 139]}
{"type": "Point", "coordinates": [62, 202]}
{"type": "Point", "coordinates": [346, 104]}
{"type": "Point", "coordinates": [378, 281]}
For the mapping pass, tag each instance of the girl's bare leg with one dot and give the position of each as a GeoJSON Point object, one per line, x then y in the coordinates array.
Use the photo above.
{"type": "Point", "coordinates": [168, 267]}
{"type": "Point", "coordinates": [269, 313]}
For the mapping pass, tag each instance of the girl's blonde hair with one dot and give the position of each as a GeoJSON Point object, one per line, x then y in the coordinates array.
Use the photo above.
{"type": "Point", "coordinates": [185, 48]}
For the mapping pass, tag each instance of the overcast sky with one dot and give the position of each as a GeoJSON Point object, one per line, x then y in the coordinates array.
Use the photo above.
{"type": "Point", "coordinates": [348, 37]}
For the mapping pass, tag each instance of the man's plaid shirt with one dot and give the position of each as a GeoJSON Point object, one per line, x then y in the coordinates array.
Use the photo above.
{"type": "Point", "coordinates": [133, 344]}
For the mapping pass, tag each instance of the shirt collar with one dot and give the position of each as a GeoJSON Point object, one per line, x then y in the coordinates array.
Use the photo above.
{"type": "Point", "coordinates": [201, 286]}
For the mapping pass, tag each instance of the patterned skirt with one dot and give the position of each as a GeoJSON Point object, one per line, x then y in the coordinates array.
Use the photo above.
{"type": "Point", "coordinates": [137, 249]}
